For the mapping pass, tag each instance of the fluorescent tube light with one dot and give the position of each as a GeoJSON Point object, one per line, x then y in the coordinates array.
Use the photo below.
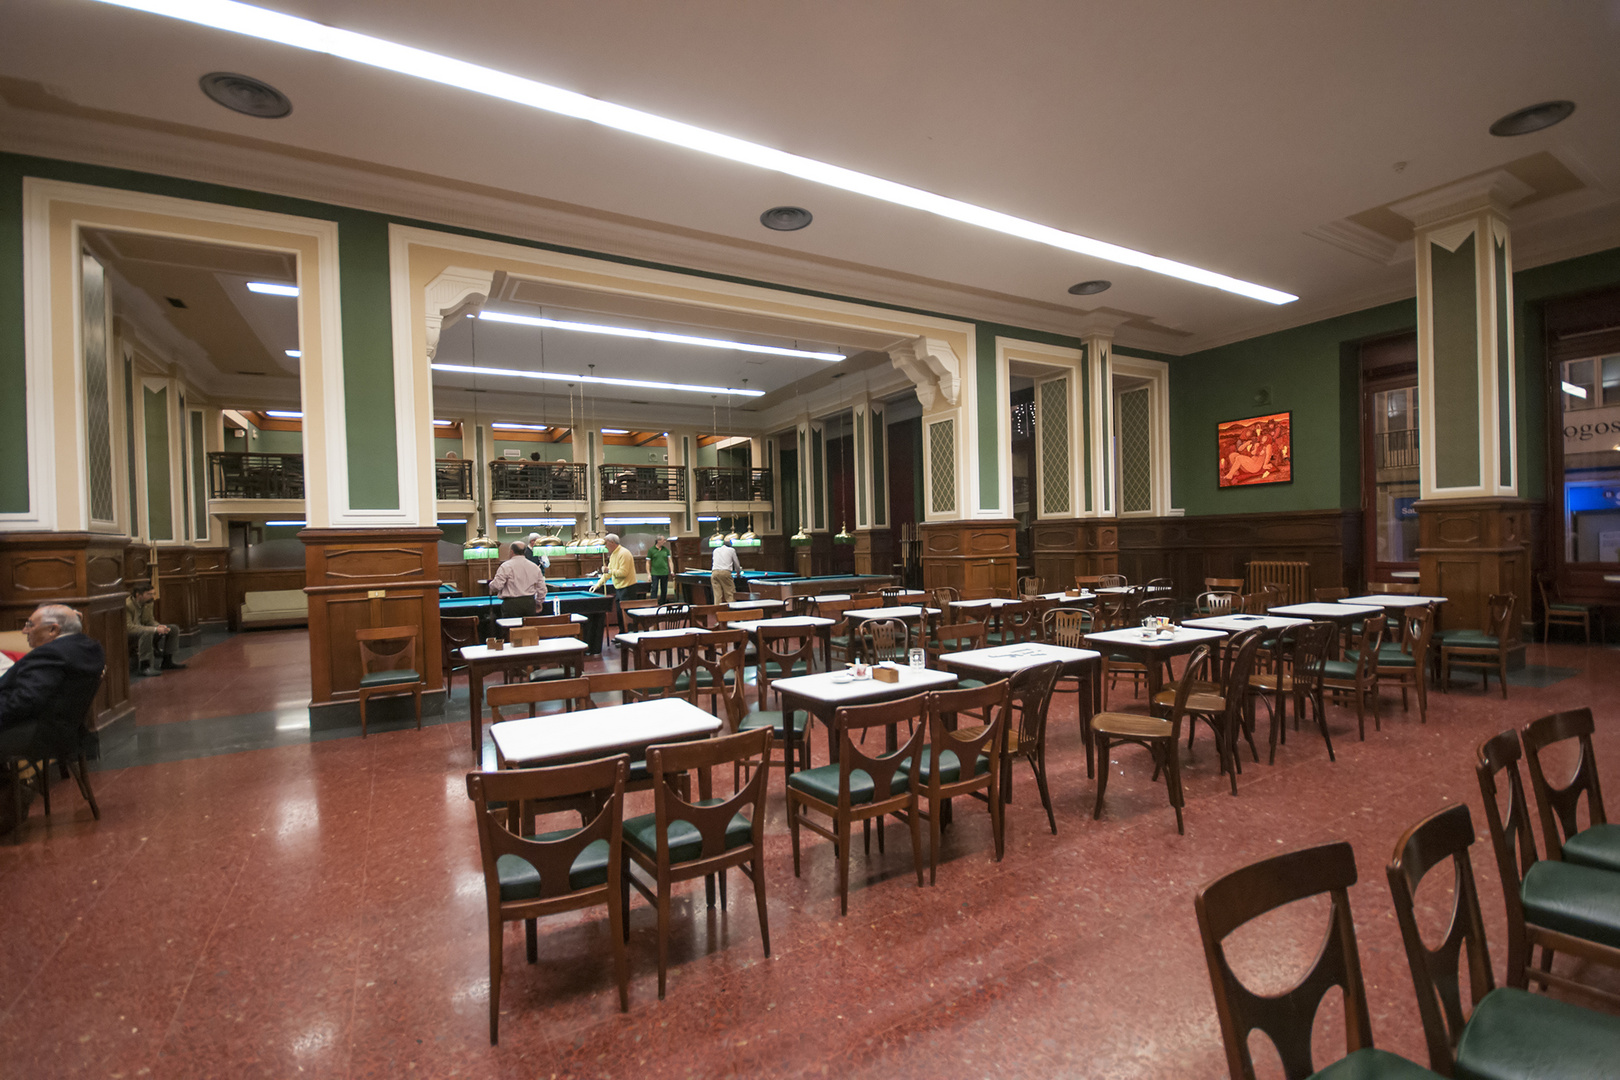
{"type": "Point", "coordinates": [451, 521]}
{"type": "Point", "coordinates": [708, 517]}
{"type": "Point", "coordinates": [300, 524]}
{"type": "Point", "coordinates": [1575, 391]}
{"type": "Point", "coordinates": [267, 25]}
{"type": "Point", "coordinates": [520, 427]}
{"type": "Point", "coordinates": [635, 521]}
{"type": "Point", "coordinates": [655, 335]}
{"type": "Point", "coordinates": [535, 521]}
{"type": "Point", "coordinates": [614, 431]}
{"type": "Point", "coordinates": [596, 380]}
{"type": "Point", "coordinates": [296, 354]}
{"type": "Point", "coordinates": [444, 423]}
{"type": "Point", "coordinates": [271, 289]}
{"type": "Point", "coordinates": [283, 414]}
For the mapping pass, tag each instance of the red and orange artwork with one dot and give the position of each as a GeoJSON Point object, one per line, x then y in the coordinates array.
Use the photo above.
{"type": "Point", "coordinates": [1259, 450]}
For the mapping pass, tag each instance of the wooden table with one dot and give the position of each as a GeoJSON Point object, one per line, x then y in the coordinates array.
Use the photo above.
{"type": "Point", "coordinates": [1151, 652]}
{"type": "Point", "coordinates": [903, 612]}
{"type": "Point", "coordinates": [1063, 599]}
{"type": "Point", "coordinates": [482, 660]}
{"type": "Point", "coordinates": [560, 738]}
{"type": "Point", "coordinates": [815, 624]}
{"type": "Point", "coordinates": [1005, 661]}
{"type": "Point", "coordinates": [823, 694]}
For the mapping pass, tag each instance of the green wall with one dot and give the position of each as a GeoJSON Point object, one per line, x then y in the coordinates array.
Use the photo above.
{"type": "Point", "coordinates": [276, 442]}
{"type": "Point", "coordinates": [549, 452]}
{"type": "Point", "coordinates": [619, 454]}
{"type": "Point", "coordinates": [159, 499]}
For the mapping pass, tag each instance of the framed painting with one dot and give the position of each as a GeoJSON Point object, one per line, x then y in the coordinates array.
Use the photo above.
{"type": "Point", "coordinates": [1255, 450]}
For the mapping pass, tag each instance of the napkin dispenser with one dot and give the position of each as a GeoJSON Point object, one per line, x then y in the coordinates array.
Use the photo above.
{"type": "Point", "coordinates": [886, 674]}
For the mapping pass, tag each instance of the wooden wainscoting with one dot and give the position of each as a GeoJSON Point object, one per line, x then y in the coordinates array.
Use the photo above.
{"type": "Point", "coordinates": [358, 579]}
{"type": "Point", "coordinates": [213, 591]}
{"type": "Point", "coordinates": [874, 551]}
{"type": "Point", "coordinates": [1073, 547]}
{"type": "Point", "coordinates": [239, 583]}
{"type": "Point", "coordinates": [1469, 549]}
{"type": "Point", "coordinates": [177, 588]}
{"type": "Point", "coordinates": [970, 555]}
{"type": "Point", "coordinates": [86, 572]}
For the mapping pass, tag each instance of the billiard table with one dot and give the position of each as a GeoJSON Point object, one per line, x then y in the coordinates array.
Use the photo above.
{"type": "Point", "coordinates": [696, 587]}
{"type": "Point", "coordinates": [594, 606]}
{"type": "Point", "coordinates": [789, 587]}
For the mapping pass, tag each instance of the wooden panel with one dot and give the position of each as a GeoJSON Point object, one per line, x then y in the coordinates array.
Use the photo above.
{"type": "Point", "coordinates": [240, 582]}
{"type": "Point", "coordinates": [1469, 549]}
{"type": "Point", "coordinates": [874, 551]}
{"type": "Point", "coordinates": [177, 587]}
{"type": "Point", "coordinates": [973, 555]}
{"type": "Point", "coordinates": [212, 572]}
{"type": "Point", "coordinates": [342, 567]}
{"type": "Point", "coordinates": [86, 572]}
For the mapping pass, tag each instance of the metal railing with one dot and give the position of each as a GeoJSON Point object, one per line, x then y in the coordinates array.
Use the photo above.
{"type": "Point", "coordinates": [733, 485]}
{"type": "Point", "coordinates": [643, 483]}
{"type": "Point", "coordinates": [452, 479]}
{"type": "Point", "coordinates": [537, 481]}
{"type": "Point", "coordinates": [255, 476]}
{"type": "Point", "coordinates": [1396, 449]}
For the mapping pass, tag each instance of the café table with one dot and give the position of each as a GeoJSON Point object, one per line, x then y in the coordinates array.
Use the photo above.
{"type": "Point", "coordinates": [627, 642]}
{"type": "Point", "coordinates": [561, 738]}
{"type": "Point", "coordinates": [821, 695]}
{"type": "Point", "coordinates": [1236, 624]}
{"type": "Point", "coordinates": [1063, 599]}
{"type": "Point", "coordinates": [903, 612]}
{"type": "Point", "coordinates": [990, 606]}
{"type": "Point", "coordinates": [1152, 649]}
{"type": "Point", "coordinates": [815, 624]}
{"type": "Point", "coordinates": [513, 624]}
{"type": "Point", "coordinates": [1004, 661]}
{"type": "Point", "coordinates": [482, 661]}
{"type": "Point", "coordinates": [1341, 613]}
{"type": "Point", "coordinates": [1395, 602]}
{"type": "Point", "coordinates": [1404, 575]}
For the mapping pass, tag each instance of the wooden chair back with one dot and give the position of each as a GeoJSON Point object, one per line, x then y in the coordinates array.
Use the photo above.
{"type": "Point", "coordinates": [702, 615]}
{"type": "Point", "coordinates": [498, 795]}
{"type": "Point", "coordinates": [1391, 588]}
{"type": "Point", "coordinates": [548, 620]}
{"type": "Point", "coordinates": [387, 648]}
{"type": "Point", "coordinates": [1254, 603]}
{"type": "Point", "coordinates": [673, 652]}
{"type": "Point", "coordinates": [573, 693]}
{"type": "Point", "coordinates": [1223, 584]}
{"type": "Point", "coordinates": [957, 637]}
{"type": "Point", "coordinates": [1067, 627]}
{"type": "Point", "coordinates": [783, 648]}
{"type": "Point", "coordinates": [668, 762]}
{"type": "Point", "coordinates": [1511, 835]}
{"type": "Point", "coordinates": [1029, 586]}
{"type": "Point", "coordinates": [863, 602]}
{"type": "Point", "coordinates": [1499, 617]}
{"type": "Point", "coordinates": [1020, 621]}
{"type": "Point", "coordinates": [1109, 613]}
{"type": "Point", "coordinates": [885, 639]}
{"type": "Point", "coordinates": [720, 657]}
{"type": "Point", "coordinates": [1417, 626]}
{"type": "Point", "coordinates": [1111, 581]}
{"type": "Point", "coordinates": [1030, 693]}
{"type": "Point", "coordinates": [453, 634]}
{"type": "Point", "coordinates": [670, 617]}
{"type": "Point", "coordinates": [1436, 973]}
{"type": "Point", "coordinates": [993, 702]}
{"type": "Point", "coordinates": [1088, 581]}
{"type": "Point", "coordinates": [638, 685]}
{"type": "Point", "coordinates": [1163, 608]}
{"type": "Point", "coordinates": [1287, 1018]}
{"type": "Point", "coordinates": [731, 615]}
{"type": "Point", "coordinates": [1559, 804]}
{"type": "Point", "coordinates": [850, 725]}
{"type": "Point", "coordinates": [1217, 603]}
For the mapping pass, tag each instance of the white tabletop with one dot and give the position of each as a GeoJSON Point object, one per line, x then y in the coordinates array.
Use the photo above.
{"type": "Point", "coordinates": [1611, 577]}
{"type": "Point", "coordinates": [1083, 595]}
{"type": "Point", "coordinates": [831, 598]}
{"type": "Point", "coordinates": [1327, 611]}
{"type": "Point", "coordinates": [806, 621]}
{"type": "Point", "coordinates": [1014, 658]}
{"type": "Point", "coordinates": [995, 602]}
{"type": "Point", "coordinates": [1239, 623]}
{"type": "Point", "coordinates": [1179, 635]}
{"type": "Point", "coordinates": [590, 733]}
{"type": "Point", "coordinates": [648, 612]}
{"type": "Point", "coordinates": [902, 612]}
{"type": "Point", "coordinates": [751, 605]}
{"type": "Point", "coordinates": [634, 636]}
{"type": "Point", "coordinates": [836, 688]}
{"type": "Point", "coordinates": [1116, 589]}
{"type": "Point", "coordinates": [511, 623]}
{"type": "Point", "coordinates": [1390, 600]}
{"type": "Point", "coordinates": [547, 647]}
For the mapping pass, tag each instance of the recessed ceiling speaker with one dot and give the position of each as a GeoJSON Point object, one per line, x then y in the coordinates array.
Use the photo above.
{"type": "Point", "coordinates": [786, 218]}
{"type": "Point", "coordinates": [245, 94]}
{"type": "Point", "coordinates": [1533, 118]}
{"type": "Point", "coordinates": [1091, 288]}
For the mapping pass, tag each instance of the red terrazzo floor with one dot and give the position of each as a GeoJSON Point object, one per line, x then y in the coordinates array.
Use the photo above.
{"type": "Point", "coordinates": [318, 910]}
{"type": "Point", "coordinates": [258, 672]}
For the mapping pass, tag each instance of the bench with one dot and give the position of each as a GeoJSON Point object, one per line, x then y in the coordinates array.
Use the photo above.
{"type": "Point", "coordinates": [278, 607]}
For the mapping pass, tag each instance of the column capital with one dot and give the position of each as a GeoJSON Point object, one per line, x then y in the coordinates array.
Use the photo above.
{"type": "Point", "coordinates": [933, 366]}
{"type": "Point", "coordinates": [448, 294]}
{"type": "Point", "coordinates": [1495, 192]}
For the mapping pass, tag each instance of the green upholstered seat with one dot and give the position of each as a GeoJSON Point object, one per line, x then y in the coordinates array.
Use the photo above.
{"type": "Point", "coordinates": [964, 683]}
{"type": "Point", "coordinates": [388, 678]}
{"type": "Point", "coordinates": [1597, 846]}
{"type": "Point", "coordinates": [1389, 656]}
{"type": "Point", "coordinates": [773, 670]}
{"type": "Point", "coordinates": [521, 881]}
{"type": "Point", "coordinates": [1575, 900]}
{"type": "Point", "coordinates": [549, 674]}
{"type": "Point", "coordinates": [684, 841]}
{"type": "Point", "coordinates": [1121, 658]}
{"type": "Point", "coordinates": [1516, 1035]}
{"type": "Point", "coordinates": [950, 770]}
{"type": "Point", "coordinates": [638, 771]}
{"type": "Point", "coordinates": [822, 783]}
{"type": "Point", "coordinates": [1339, 669]}
{"type": "Point", "coordinates": [1473, 639]}
{"type": "Point", "coordinates": [1373, 1064]}
{"type": "Point", "coordinates": [771, 718]}
{"type": "Point", "coordinates": [1568, 607]}
{"type": "Point", "coordinates": [705, 679]}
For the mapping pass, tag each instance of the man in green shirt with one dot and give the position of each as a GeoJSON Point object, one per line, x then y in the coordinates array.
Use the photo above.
{"type": "Point", "coordinates": [149, 634]}
{"type": "Point", "coordinates": [658, 567]}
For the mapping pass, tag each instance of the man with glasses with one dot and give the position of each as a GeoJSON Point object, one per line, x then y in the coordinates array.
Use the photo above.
{"type": "Point", "coordinates": [37, 699]}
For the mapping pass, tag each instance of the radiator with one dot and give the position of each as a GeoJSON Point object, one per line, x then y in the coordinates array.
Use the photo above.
{"type": "Point", "coordinates": [1294, 577]}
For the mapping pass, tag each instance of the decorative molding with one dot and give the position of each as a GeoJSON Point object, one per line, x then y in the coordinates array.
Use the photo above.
{"type": "Point", "coordinates": [1360, 240]}
{"type": "Point", "coordinates": [1497, 191]}
{"type": "Point", "coordinates": [933, 367]}
{"type": "Point", "coordinates": [1451, 237]}
{"type": "Point", "coordinates": [448, 293]}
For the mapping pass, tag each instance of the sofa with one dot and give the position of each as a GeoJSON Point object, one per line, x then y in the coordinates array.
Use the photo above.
{"type": "Point", "coordinates": [277, 607]}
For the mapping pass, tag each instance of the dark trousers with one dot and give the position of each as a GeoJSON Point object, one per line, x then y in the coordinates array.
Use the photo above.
{"type": "Point", "coordinates": [614, 616]}
{"type": "Point", "coordinates": [661, 587]}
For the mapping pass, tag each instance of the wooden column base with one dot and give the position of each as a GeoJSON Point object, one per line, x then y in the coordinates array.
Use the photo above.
{"type": "Point", "coordinates": [970, 555]}
{"type": "Point", "coordinates": [1073, 547]}
{"type": "Point", "coordinates": [874, 551]}
{"type": "Point", "coordinates": [1469, 549]}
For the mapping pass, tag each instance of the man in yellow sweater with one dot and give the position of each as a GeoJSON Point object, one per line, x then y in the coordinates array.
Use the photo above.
{"type": "Point", "coordinates": [619, 574]}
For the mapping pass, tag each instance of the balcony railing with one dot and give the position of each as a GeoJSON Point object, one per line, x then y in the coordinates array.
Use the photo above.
{"type": "Point", "coordinates": [255, 476]}
{"type": "Point", "coordinates": [1396, 449]}
{"type": "Point", "coordinates": [452, 479]}
{"type": "Point", "coordinates": [644, 483]}
{"type": "Point", "coordinates": [537, 481]}
{"type": "Point", "coordinates": [733, 485]}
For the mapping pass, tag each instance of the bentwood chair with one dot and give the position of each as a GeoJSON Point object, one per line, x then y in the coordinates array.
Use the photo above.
{"type": "Point", "coordinates": [1558, 906]}
{"type": "Point", "coordinates": [883, 640]}
{"type": "Point", "coordinates": [1559, 804]}
{"type": "Point", "coordinates": [1214, 604]}
{"type": "Point", "coordinates": [1507, 1032]}
{"type": "Point", "coordinates": [958, 637]}
{"type": "Point", "coordinates": [1068, 627]}
{"type": "Point", "coordinates": [943, 596]}
{"type": "Point", "coordinates": [1358, 674]}
{"type": "Point", "coordinates": [1288, 1018]}
{"type": "Point", "coordinates": [528, 875]}
{"type": "Point", "coordinates": [862, 787]}
{"type": "Point", "coordinates": [1031, 691]}
{"type": "Point", "coordinates": [1556, 612]}
{"type": "Point", "coordinates": [61, 744]}
{"type": "Point", "coordinates": [966, 762]}
{"type": "Point", "coordinates": [1302, 653]}
{"type": "Point", "coordinates": [682, 840]}
{"type": "Point", "coordinates": [1481, 651]}
{"type": "Point", "coordinates": [1029, 586]}
{"type": "Point", "coordinates": [1226, 712]}
{"type": "Point", "coordinates": [1159, 736]}
{"type": "Point", "coordinates": [1223, 584]}
{"type": "Point", "coordinates": [453, 634]}
{"type": "Point", "coordinates": [388, 667]}
{"type": "Point", "coordinates": [1406, 663]}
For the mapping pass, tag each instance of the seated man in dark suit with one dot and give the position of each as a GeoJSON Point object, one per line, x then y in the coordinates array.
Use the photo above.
{"type": "Point", "coordinates": [43, 696]}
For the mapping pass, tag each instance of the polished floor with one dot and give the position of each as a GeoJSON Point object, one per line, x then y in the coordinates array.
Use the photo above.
{"type": "Point", "coordinates": [255, 902]}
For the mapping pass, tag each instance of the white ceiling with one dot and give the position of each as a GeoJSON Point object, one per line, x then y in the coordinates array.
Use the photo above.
{"type": "Point", "coordinates": [1221, 135]}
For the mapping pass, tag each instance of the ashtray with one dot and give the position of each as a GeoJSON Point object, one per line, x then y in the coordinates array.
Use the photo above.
{"type": "Point", "coordinates": [843, 678]}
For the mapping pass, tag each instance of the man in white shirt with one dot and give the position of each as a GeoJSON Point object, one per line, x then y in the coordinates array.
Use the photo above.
{"type": "Point", "coordinates": [726, 565]}
{"type": "Point", "coordinates": [535, 554]}
{"type": "Point", "coordinates": [519, 577]}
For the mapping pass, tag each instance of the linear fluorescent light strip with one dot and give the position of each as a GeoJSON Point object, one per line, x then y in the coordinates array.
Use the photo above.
{"type": "Point", "coordinates": [300, 524]}
{"type": "Point", "coordinates": [517, 427]}
{"type": "Point", "coordinates": [271, 289]}
{"type": "Point", "coordinates": [267, 25]}
{"type": "Point", "coordinates": [503, 522]}
{"type": "Point", "coordinates": [283, 414]}
{"type": "Point", "coordinates": [595, 380]}
{"type": "Point", "coordinates": [296, 354]}
{"type": "Point", "coordinates": [635, 521]}
{"type": "Point", "coordinates": [655, 335]}
{"type": "Point", "coordinates": [614, 431]}
{"type": "Point", "coordinates": [1575, 391]}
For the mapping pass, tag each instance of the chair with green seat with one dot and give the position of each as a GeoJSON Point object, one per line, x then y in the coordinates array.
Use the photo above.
{"type": "Point", "coordinates": [1507, 1031]}
{"type": "Point", "coordinates": [958, 637]}
{"type": "Point", "coordinates": [1213, 604]}
{"type": "Point", "coordinates": [1117, 664]}
{"type": "Point", "coordinates": [454, 633]}
{"type": "Point", "coordinates": [784, 652]}
{"type": "Point", "coordinates": [1357, 674]}
{"type": "Point", "coordinates": [862, 787]}
{"type": "Point", "coordinates": [682, 840]}
{"type": "Point", "coordinates": [1029, 586]}
{"type": "Point", "coordinates": [1405, 663]}
{"type": "Point", "coordinates": [944, 773]}
{"type": "Point", "coordinates": [1031, 691]}
{"type": "Point", "coordinates": [794, 742]}
{"type": "Point", "coordinates": [1302, 653]}
{"type": "Point", "coordinates": [705, 677]}
{"type": "Point", "coordinates": [1557, 612]}
{"type": "Point", "coordinates": [1018, 621]}
{"type": "Point", "coordinates": [1556, 906]}
{"type": "Point", "coordinates": [388, 667]}
{"type": "Point", "coordinates": [1288, 1018]}
{"type": "Point", "coordinates": [529, 875]}
{"type": "Point", "coordinates": [1480, 650]}
{"type": "Point", "coordinates": [671, 651]}
{"type": "Point", "coordinates": [1599, 843]}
